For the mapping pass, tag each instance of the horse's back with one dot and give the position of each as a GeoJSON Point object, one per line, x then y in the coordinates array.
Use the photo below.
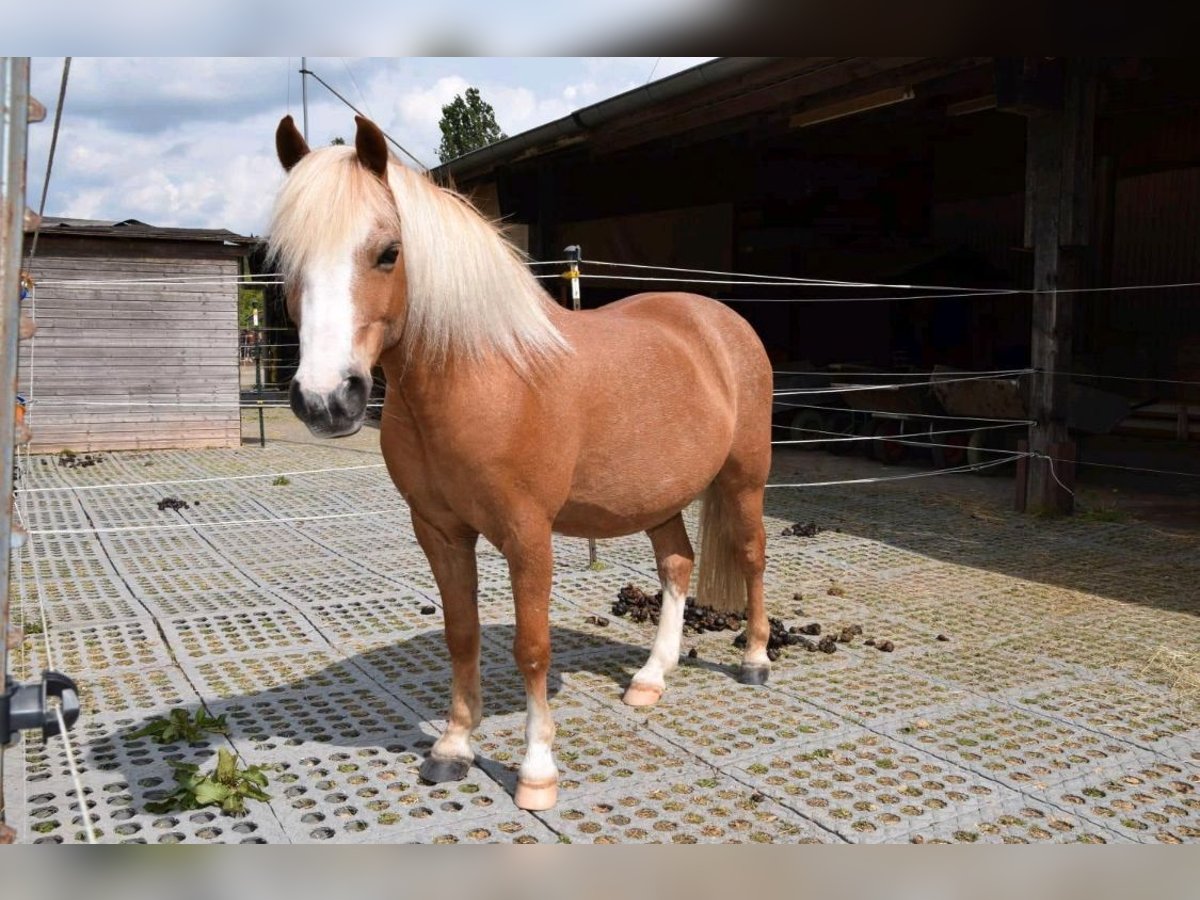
{"type": "Point", "coordinates": [709, 332]}
{"type": "Point", "coordinates": [667, 388]}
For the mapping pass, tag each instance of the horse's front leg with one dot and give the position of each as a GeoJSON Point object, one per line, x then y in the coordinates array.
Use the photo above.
{"type": "Point", "coordinates": [531, 567]}
{"type": "Point", "coordinates": [452, 558]}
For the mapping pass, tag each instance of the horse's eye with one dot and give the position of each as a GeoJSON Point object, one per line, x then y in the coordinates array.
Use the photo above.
{"type": "Point", "coordinates": [388, 257]}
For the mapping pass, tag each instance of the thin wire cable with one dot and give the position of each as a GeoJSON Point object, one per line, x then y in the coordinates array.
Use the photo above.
{"type": "Point", "coordinates": [175, 284]}
{"type": "Point", "coordinates": [1054, 473]}
{"type": "Point", "coordinates": [849, 389]}
{"type": "Point", "coordinates": [62, 95]}
{"type": "Point", "coordinates": [952, 471]}
{"type": "Point", "coordinates": [858, 284]}
{"type": "Point", "coordinates": [54, 403]}
{"type": "Point", "coordinates": [830, 373]}
{"type": "Point", "coordinates": [233, 523]}
{"type": "Point", "coordinates": [912, 439]}
{"type": "Point", "coordinates": [1128, 468]}
{"type": "Point", "coordinates": [64, 731]}
{"type": "Point", "coordinates": [24, 668]}
{"type": "Point", "coordinates": [1118, 377]}
{"type": "Point", "coordinates": [218, 478]}
{"type": "Point", "coordinates": [912, 415]}
{"type": "Point", "coordinates": [653, 69]}
{"type": "Point", "coordinates": [80, 797]}
{"type": "Point", "coordinates": [393, 141]}
{"type": "Point", "coordinates": [354, 81]}
{"type": "Point", "coordinates": [33, 315]}
{"type": "Point", "coordinates": [23, 514]}
{"type": "Point", "coordinates": [966, 292]}
{"type": "Point", "coordinates": [155, 280]}
{"type": "Point", "coordinates": [788, 279]}
{"type": "Point", "coordinates": [837, 437]}
{"type": "Point", "coordinates": [877, 299]}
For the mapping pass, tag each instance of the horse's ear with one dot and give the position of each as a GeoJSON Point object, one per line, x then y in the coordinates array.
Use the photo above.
{"type": "Point", "coordinates": [289, 143]}
{"type": "Point", "coordinates": [371, 146]}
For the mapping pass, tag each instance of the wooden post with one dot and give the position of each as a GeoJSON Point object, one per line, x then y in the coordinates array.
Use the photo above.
{"type": "Point", "coordinates": [572, 292]}
{"type": "Point", "coordinates": [1059, 182]}
{"type": "Point", "coordinates": [1022, 478]}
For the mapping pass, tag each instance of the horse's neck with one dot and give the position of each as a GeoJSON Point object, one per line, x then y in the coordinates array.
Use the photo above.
{"type": "Point", "coordinates": [421, 388]}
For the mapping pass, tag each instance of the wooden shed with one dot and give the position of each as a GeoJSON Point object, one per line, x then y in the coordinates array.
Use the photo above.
{"type": "Point", "coordinates": [137, 341]}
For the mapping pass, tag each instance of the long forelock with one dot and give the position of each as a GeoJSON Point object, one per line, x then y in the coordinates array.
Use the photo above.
{"type": "Point", "coordinates": [325, 209]}
{"type": "Point", "coordinates": [469, 291]}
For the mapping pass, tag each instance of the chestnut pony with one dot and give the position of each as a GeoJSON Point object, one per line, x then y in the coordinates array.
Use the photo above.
{"type": "Point", "coordinates": [510, 417]}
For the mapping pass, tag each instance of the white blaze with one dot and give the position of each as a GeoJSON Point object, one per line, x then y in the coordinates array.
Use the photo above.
{"type": "Point", "coordinates": [326, 327]}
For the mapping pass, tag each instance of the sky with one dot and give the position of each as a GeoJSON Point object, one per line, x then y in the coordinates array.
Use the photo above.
{"type": "Point", "coordinates": [189, 141]}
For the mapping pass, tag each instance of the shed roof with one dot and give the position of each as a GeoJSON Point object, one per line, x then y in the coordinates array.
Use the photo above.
{"type": "Point", "coordinates": [723, 90]}
{"type": "Point", "coordinates": [133, 229]}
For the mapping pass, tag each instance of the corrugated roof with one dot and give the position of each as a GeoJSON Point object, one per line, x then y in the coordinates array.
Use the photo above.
{"type": "Point", "coordinates": [134, 229]}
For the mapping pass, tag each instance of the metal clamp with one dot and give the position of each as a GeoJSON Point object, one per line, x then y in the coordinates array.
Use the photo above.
{"type": "Point", "coordinates": [27, 706]}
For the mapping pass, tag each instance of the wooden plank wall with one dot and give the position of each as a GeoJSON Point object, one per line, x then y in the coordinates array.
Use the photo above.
{"type": "Point", "coordinates": [112, 366]}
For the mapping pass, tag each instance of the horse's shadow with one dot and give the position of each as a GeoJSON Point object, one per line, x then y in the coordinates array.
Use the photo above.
{"type": "Point", "coordinates": [391, 699]}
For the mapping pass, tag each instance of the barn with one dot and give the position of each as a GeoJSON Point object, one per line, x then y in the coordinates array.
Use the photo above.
{"type": "Point", "coordinates": [1027, 176]}
{"type": "Point", "coordinates": [137, 341]}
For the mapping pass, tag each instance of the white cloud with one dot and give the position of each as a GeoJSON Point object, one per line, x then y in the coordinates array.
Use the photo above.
{"type": "Point", "coordinates": [190, 142]}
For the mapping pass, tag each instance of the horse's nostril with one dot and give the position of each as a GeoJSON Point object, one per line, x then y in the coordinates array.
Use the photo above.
{"type": "Point", "coordinates": [352, 395]}
{"type": "Point", "coordinates": [355, 385]}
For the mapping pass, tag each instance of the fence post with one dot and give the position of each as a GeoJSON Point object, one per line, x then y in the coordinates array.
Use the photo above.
{"type": "Point", "coordinates": [574, 255]}
{"type": "Point", "coordinates": [258, 382]}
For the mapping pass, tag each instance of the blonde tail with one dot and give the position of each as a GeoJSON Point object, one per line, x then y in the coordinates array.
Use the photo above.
{"type": "Point", "coordinates": [721, 583]}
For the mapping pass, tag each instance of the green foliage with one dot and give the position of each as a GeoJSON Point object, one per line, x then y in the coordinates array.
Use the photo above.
{"type": "Point", "coordinates": [227, 786]}
{"type": "Point", "coordinates": [31, 627]}
{"type": "Point", "coordinates": [338, 142]}
{"type": "Point", "coordinates": [467, 124]}
{"type": "Point", "coordinates": [178, 726]}
{"type": "Point", "coordinates": [250, 298]}
{"type": "Point", "coordinates": [281, 481]}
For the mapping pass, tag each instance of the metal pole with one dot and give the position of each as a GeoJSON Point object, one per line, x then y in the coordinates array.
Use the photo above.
{"type": "Point", "coordinates": [258, 387]}
{"type": "Point", "coordinates": [258, 382]}
{"type": "Point", "coordinates": [14, 121]}
{"type": "Point", "coordinates": [304, 94]}
{"type": "Point", "coordinates": [574, 256]}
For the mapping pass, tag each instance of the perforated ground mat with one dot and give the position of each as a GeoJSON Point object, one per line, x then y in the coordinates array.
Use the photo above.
{"type": "Point", "coordinates": [1000, 688]}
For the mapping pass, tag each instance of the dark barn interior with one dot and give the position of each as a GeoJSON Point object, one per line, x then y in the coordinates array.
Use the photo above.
{"type": "Point", "coordinates": [946, 172]}
{"type": "Point", "coordinates": [929, 190]}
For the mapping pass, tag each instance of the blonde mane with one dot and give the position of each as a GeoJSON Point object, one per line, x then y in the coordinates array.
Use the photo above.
{"type": "Point", "coordinates": [470, 293]}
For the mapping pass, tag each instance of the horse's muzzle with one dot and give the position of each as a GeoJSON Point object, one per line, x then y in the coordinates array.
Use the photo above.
{"type": "Point", "coordinates": [336, 414]}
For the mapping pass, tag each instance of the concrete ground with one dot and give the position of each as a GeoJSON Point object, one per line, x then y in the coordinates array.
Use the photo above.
{"type": "Point", "coordinates": [314, 628]}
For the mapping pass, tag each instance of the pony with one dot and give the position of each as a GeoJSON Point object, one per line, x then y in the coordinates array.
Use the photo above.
{"type": "Point", "coordinates": [508, 416]}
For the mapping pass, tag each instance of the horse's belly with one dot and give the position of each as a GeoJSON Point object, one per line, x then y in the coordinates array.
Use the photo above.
{"type": "Point", "coordinates": [587, 520]}
{"type": "Point", "coordinates": [617, 500]}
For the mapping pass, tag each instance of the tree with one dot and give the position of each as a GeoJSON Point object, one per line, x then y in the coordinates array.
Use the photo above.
{"type": "Point", "coordinates": [467, 124]}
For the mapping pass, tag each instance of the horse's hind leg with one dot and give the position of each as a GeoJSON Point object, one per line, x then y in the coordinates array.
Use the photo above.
{"type": "Point", "coordinates": [749, 538]}
{"type": "Point", "coordinates": [452, 559]}
{"type": "Point", "coordinates": [673, 551]}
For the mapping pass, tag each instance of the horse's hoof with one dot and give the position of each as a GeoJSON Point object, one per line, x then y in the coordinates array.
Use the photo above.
{"type": "Point", "coordinates": [642, 695]}
{"type": "Point", "coordinates": [536, 796]}
{"type": "Point", "coordinates": [435, 771]}
{"type": "Point", "coordinates": [754, 674]}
